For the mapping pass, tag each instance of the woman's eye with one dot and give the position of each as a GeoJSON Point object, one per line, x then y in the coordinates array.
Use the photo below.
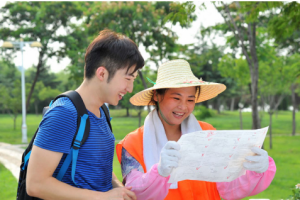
{"type": "Point", "coordinates": [176, 98]}
{"type": "Point", "coordinates": [191, 100]}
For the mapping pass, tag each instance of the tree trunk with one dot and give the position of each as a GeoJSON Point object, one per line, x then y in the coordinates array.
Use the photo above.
{"type": "Point", "coordinates": [38, 70]}
{"type": "Point", "coordinates": [140, 117]}
{"type": "Point", "coordinates": [8, 112]}
{"type": "Point", "coordinates": [232, 104]}
{"type": "Point", "coordinates": [261, 115]}
{"type": "Point", "coordinates": [254, 75]}
{"type": "Point", "coordinates": [270, 128]}
{"type": "Point", "coordinates": [294, 102]}
{"type": "Point", "coordinates": [241, 119]}
{"type": "Point", "coordinates": [36, 108]}
{"type": "Point", "coordinates": [15, 119]}
{"type": "Point", "coordinates": [251, 58]}
{"type": "Point", "coordinates": [255, 117]}
{"type": "Point", "coordinates": [127, 112]}
{"type": "Point", "coordinates": [218, 105]}
{"type": "Point", "coordinates": [144, 84]}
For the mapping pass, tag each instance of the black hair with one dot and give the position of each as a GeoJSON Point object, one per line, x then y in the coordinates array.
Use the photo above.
{"type": "Point", "coordinates": [162, 92]}
{"type": "Point", "coordinates": [112, 51]}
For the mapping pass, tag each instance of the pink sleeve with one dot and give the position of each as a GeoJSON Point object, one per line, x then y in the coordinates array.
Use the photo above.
{"type": "Point", "coordinates": [249, 184]}
{"type": "Point", "coordinates": [148, 185]}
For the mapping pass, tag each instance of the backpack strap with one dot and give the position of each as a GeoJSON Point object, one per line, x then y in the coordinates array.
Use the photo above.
{"type": "Point", "coordinates": [81, 111]}
{"type": "Point", "coordinates": [83, 129]}
{"type": "Point", "coordinates": [82, 133]}
{"type": "Point", "coordinates": [108, 118]}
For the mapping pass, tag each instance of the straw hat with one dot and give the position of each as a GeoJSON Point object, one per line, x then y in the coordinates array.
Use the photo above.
{"type": "Point", "coordinates": [177, 74]}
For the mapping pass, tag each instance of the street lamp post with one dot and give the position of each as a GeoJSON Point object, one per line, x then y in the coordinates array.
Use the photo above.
{"type": "Point", "coordinates": [20, 44]}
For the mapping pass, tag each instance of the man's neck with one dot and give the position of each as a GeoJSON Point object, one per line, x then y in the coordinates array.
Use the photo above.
{"type": "Point", "coordinates": [90, 97]}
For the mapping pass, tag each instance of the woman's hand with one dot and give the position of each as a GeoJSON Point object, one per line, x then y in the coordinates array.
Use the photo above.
{"type": "Point", "coordinates": [169, 158]}
{"type": "Point", "coordinates": [258, 163]}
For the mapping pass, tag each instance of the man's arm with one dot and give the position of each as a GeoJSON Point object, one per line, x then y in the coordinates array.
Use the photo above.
{"type": "Point", "coordinates": [40, 182]}
{"type": "Point", "coordinates": [117, 184]}
{"type": "Point", "coordinates": [115, 181]}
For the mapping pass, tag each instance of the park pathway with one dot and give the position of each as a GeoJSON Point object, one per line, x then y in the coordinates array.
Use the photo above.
{"type": "Point", "coordinates": [10, 157]}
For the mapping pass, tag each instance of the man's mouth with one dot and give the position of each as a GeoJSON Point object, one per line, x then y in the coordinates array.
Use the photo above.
{"type": "Point", "coordinates": [121, 96]}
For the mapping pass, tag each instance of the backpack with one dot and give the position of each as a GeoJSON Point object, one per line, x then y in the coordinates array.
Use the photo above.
{"type": "Point", "coordinates": [82, 133]}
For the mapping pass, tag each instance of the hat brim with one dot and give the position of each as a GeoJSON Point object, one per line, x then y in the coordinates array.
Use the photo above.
{"type": "Point", "coordinates": [208, 91]}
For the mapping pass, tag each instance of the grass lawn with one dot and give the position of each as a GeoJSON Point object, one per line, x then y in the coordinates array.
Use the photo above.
{"type": "Point", "coordinates": [285, 152]}
{"type": "Point", "coordinates": [8, 184]}
{"type": "Point", "coordinates": [281, 123]}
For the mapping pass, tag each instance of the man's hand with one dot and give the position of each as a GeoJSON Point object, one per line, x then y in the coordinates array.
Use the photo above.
{"type": "Point", "coordinates": [120, 193]}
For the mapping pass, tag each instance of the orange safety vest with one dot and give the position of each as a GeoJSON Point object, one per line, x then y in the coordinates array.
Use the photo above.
{"type": "Point", "coordinates": [187, 189]}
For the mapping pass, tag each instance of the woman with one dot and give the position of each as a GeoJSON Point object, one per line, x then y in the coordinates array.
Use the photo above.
{"type": "Point", "coordinates": [148, 154]}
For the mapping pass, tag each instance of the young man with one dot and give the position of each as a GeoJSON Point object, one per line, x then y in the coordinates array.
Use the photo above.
{"type": "Point", "coordinates": [111, 64]}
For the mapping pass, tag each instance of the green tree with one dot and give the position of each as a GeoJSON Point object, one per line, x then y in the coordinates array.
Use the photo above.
{"type": "Point", "coordinates": [47, 79]}
{"type": "Point", "coordinates": [48, 94]}
{"type": "Point", "coordinates": [65, 83]}
{"type": "Point", "coordinates": [241, 22]}
{"type": "Point", "coordinates": [238, 70]}
{"type": "Point", "coordinates": [10, 89]}
{"type": "Point", "coordinates": [35, 100]}
{"type": "Point", "coordinates": [291, 71]}
{"type": "Point", "coordinates": [38, 21]}
{"type": "Point", "coordinates": [11, 99]}
{"type": "Point", "coordinates": [284, 27]}
{"type": "Point", "coordinates": [204, 60]}
{"type": "Point", "coordinates": [273, 85]}
{"type": "Point", "coordinates": [138, 86]}
{"type": "Point", "coordinates": [143, 22]}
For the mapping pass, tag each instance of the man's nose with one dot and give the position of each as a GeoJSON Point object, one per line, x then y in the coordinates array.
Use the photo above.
{"type": "Point", "coordinates": [129, 87]}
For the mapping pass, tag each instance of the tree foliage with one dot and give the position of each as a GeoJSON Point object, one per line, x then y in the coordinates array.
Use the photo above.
{"type": "Point", "coordinates": [10, 90]}
{"type": "Point", "coordinates": [38, 21]}
{"type": "Point", "coordinates": [284, 27]}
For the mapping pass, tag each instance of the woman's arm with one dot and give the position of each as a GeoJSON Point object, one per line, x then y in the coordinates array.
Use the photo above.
{"type": "Point", "coordinates": [149, 185]}
{"type": "Point", "coordinates": [249, 184]}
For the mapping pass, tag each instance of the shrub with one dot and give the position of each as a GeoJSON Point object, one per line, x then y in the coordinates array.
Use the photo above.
{"type": "Point", "coordinates": [296, 193]}
{"type": "Point", "coordinates": [201, 112]}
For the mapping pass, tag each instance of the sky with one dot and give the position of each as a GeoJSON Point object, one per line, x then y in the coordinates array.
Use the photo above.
{"type": "Point", "coordinates": [207, 17]}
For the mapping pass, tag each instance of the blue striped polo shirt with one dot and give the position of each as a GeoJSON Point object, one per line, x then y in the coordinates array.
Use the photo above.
{"type": "Point", "coordinates": [95, 157]}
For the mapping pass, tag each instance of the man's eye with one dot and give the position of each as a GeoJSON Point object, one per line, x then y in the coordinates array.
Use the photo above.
{"type": "Point", "coordinates": [176, 98]}
{"type": "Point", "coordinates": [191, 100]}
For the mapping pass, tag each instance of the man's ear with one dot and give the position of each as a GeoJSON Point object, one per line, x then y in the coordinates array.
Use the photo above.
{"type": "Point", "coordinates": [101, 73]}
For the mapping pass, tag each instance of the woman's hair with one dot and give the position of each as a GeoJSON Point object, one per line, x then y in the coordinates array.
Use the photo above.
{"type": "Point", "coordinates": [162, 92]}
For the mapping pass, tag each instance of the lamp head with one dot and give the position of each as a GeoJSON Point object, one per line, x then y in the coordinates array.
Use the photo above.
{"type": "Point", "coordinates": [7, 44]}
{"type": "Point", "coordinates": [36, 44]}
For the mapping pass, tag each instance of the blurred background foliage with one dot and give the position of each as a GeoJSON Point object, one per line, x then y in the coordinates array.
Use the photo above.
{"type": "Point", "coordinates": [259, 63]}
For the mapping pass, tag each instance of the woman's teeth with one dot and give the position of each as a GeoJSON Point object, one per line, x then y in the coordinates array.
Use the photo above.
{"type": "Point", "coordinates": [179, 114]}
